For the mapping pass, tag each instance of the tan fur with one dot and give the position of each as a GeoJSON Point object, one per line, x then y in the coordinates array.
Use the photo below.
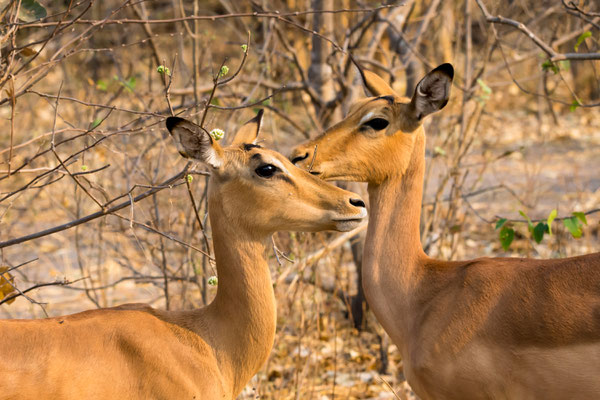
{"type": "Point", "coordinates": [501, 328]}
{"type": "Point", "coordinates": [137, 352]}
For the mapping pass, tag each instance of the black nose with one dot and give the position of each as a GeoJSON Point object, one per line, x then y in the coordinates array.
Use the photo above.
{"type": "Point", "coordinates": [357, 203]}
{"type": "Point", "coordinates": [299, 158]}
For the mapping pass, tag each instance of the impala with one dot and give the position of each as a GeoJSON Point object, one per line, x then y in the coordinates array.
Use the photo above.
{"type": "Point", "coordinates": [501, 328]}
{"type": "Point", "coordinates": [137, 352]}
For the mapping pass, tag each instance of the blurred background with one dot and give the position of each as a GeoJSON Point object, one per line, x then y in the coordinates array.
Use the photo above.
{"type": "Point", "coordinates": [95, 209]}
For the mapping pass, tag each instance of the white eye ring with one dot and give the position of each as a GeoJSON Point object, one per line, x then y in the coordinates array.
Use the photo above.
{"type": "Point", "coordinates": [367, 117]}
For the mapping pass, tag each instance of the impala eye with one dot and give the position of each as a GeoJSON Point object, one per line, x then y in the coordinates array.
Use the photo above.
{"type": "Point", "coordinates": [377, 123]}
{"type": "Point", "coordinates": [266, 170]}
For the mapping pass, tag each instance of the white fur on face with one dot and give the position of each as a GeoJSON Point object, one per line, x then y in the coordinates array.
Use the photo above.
{"type": "Point", "coordinates": [279, 165]}
{"type": "Point", "coordinates": [366, 117]}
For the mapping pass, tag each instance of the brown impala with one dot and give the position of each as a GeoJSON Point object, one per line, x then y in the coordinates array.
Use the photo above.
{"type": "Point", "coordinates": [137, 352]}
{"type": "Point", "coordinates": [501, 328]}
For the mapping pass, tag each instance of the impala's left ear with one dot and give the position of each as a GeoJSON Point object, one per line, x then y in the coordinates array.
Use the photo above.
{"type": "Point", "coordinates": [248, 133]}
{"type": "Point", "coordinates": [376, 85]}
{"type": "Point", "coordinates": [433, 91]}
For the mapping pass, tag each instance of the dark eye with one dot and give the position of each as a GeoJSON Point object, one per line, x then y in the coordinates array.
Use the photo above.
{"type": "Point", "coordinates": [377, 123]}
{"type": "Point", "coordinates": [266, 171]}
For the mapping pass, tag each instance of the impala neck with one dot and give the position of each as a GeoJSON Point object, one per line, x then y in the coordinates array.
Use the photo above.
{"type": "Point", "coordinates": [393, 253]}
{"type": "Point", "coordinates": [244, 308]}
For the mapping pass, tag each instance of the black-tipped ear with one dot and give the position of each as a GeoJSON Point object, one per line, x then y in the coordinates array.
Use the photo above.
{"type": "Point", "coordinates": [193, 142]}
{"type": "Point", "coordinates": [433, 91]}
{"type": "Point", "coordinates": [172, 121]}
{"type": "Point", "coordinates": [248, 133]}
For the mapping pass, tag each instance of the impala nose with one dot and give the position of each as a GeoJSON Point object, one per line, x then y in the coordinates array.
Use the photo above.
{"type": "Point", "coordinates": [357, 203]}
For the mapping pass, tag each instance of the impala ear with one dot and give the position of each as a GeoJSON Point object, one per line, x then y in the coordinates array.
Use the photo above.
{"type": "Point", "coordinates": [194, 142]}
{"type": "Point", "coordinates": [376, 85]}
{"type": "Point", "coordinates": [248, 133]}
{"type": "Point", "coordinates": [433, 91]}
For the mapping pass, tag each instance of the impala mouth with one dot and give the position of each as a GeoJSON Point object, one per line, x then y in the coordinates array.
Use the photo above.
{"type": "Point", "coordinates": [315, 172]}
{"type": "Point", "coordinates": [345, 225]}
{"type": "Point", "coordinates": [352, 220]}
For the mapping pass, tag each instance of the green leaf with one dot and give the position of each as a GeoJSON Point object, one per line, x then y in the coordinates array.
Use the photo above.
{"type": "Point", "coordinates": [102, 85]}
{"type": "Point", "coordinates": [484, 87]}
{"type": "Point", "coordinates": [224, 71]}
{"type": "Point", "coordinates": [580, 216]}
{"type": "Point", "coordinates": [572, 224]}
{"type": "Point", "coordinates": [551, 218]}
{"type": "Point", "coordinates": [95, 123]}
{"type": "Point", "coordinates": [549, 65]}
{"type": "Point", "coordinates": [31, 11]}
{"type": "Point", "coordinates": [500, 223]}
{"type": "Point", "coordinates": [529, 223]}
{"type": "Point", "coordinates": [439, 150]}
{"type": "Point", "coordinates": [129, 84]}
{"type": "Point", "coordinates": [581, 38]}
{"type": "Point", "coordinates": [574, 105]}
{"type": "Point", "coordinates": [538, 231]}
{"type": "Point", "coordinates": [506, 237]}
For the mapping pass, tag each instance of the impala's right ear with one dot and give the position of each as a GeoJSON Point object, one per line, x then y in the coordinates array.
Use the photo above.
{"type": "Point", "coordinates": [248, 133]}
{"type": "Point", "coordinates": [376, 85]}
{"type": "Point", "coordinates": [194, 142]}
{"type": "Point", "coordinates": [433, 91]}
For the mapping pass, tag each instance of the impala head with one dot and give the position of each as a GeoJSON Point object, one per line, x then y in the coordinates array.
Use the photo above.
{"type": "Point", "coordinates": [376, 140]}
{"type": "Point", "coordinates": [260, 189]}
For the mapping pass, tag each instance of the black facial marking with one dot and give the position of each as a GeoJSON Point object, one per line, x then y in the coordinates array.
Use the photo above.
{"type": "Point", "coordinates": [389, 99]}
{"type": "Point", "coordinates": [250, 146]}
{"type": "Point", "coordinates": [287, 179]}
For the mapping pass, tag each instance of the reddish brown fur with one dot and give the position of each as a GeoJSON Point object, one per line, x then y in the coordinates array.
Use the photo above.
{"type": "Point", "coordinates": [502, 328]}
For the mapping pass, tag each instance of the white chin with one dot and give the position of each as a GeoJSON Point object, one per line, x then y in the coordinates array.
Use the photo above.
{"type": "Point", "coordinates": [345, 226]}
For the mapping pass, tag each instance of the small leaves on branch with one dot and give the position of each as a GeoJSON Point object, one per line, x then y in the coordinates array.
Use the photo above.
{"type": "Point", "coordinates": [163, 70]}
{"type": "Point", "coordinates": [556, 67]}
{"type": "Point", "coordinates": [217, 134]}
{"type": "Point", "coordinates": [244, 48]}
{"type": "Point", "coordinates": [213, 281]}
{"type": "Point", "coordinates": [224, 71]}
{"type": "Point", "coordinates": [189, 178]}
{"type": "Point", "coordinates": [537, 229]}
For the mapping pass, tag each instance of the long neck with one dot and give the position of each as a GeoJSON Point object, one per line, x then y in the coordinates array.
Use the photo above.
{"type": "Point", "coordinates": [244, 310]}
{"type": "Point", "coordinates": [393, 253]}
